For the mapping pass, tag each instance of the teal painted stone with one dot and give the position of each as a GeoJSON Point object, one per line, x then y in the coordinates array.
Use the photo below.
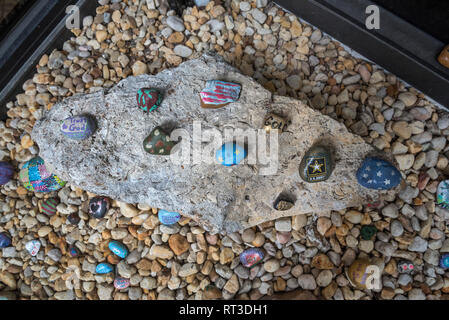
{"type": "Point", "coordinates": [443, 194]}
{"type": "Point", "coordinates": [168, 218]}
{"type": "Point", "coordinates": [148, 99]}
{"type": "Point", "coordinates": [33, 247]}
{"type": "Point", "coordinates": [316, 166]}
{"type": "Point", "coordinates": [78, 127]}
{"type": "Point", "coordinates": [230, 154]}
{"type": "Point", "coordinates": [118, 249]}
{"type": "Point", "coordinates": [104, 268]}
{"type": "Point", "coordinates": [444, 261]}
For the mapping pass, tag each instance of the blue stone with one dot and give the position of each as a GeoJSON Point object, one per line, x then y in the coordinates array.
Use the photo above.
{"type": "Point", "coordinates": [251, 257]}
{"type": "Point", "coordinates": [5, 240]}
{"type": "Point", "coordinates": [376, 173]}
{"type": "Point", "coordinates": [443, 194]}
{"type": "Point", "coordinates": [168, 218]}
{"type": "Point", "coordinates": [78, 127]}
{"type": "Point", "coordinates": [444, 261]}
{"type": "Point", "coordinates": [118, 249]}
{"type": "Point", "coordinates": [103, 268]}
{"type": "Point", "coordinates": [230, 154]}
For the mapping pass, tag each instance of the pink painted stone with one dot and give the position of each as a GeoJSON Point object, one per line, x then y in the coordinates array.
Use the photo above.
{"type": "Point", "coordinates": [121, 283]}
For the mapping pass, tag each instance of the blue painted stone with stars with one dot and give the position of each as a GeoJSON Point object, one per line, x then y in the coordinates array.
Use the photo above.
{"type": "Point", "coordinates": [230, 154]}
{"type": "Point", "coordinates": [443, 194]}
{"type": "Point", "coordinates": [118, 249]}
{"type": "Point", "coordinates": [376, 173]}
{"type": "Point", "coordinates": [444, 261]}
{"type": "Point", "coordinates": [104, 268]}
{"type": "Point", "coordinates": [168, 218]}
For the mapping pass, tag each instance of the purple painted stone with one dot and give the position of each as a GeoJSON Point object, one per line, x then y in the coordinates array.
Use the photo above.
{"type": "Point", "coordinates": [5, 240]}
{"type": "Point", "coordinates": [78, 127]}
{"type": "Point", "coordinates": [6, 172]}
{"type": "Point", "coordinates": [121, 283]}
{"type": "Point", "coordinates": [168, 218]}
{"type": "Point", "coordinates": [251, 257]}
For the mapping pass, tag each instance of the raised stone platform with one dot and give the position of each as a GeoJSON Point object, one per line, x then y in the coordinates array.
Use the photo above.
{"type": "Point", "coordinates": [113, 162]}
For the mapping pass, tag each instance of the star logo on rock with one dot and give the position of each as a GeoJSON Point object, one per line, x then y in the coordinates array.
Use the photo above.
{"type": "Point", "coordinates": [316, 167]}
{"type": "Point", "coordinates": [368, 168]}
{"type": "Point", "coordinates": [365, 175]}
{"type": "Point", "coordinates": [379, 174]}
{"type": "Point", "coordinates": [387, 182]}
{"type": "Point", "coordinates": [370, 181]}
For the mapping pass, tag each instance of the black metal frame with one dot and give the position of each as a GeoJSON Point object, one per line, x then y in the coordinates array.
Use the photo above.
{"type": "Point", "coordinates": [397, 46]}
{"type": "Point", "coordinates": [40, 30]}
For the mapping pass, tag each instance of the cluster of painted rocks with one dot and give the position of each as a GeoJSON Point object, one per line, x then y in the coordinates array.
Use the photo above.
{"type": "Point", "coordinates": [35, 177]}
{"type": "Point", "coordinates": [121, 251]}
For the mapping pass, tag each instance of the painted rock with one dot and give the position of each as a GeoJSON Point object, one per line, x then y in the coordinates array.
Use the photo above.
{"type": "Point", "coordinates": [316, 166]}
{"type": "Point", "coordinates": [230, 154]}
{"type": "Point", "coordinates": [121, 283]}
{"type": "Point", "coordinates": [444, 261]}
{"type": "Point", "coordinates": [5, 240]}
{"type": "Point", "coordinates": [405, 266]}
{"type": "Point", "coordinates": [6, 172]}
{"type": "Point", "coordinates": [73, 251]}
{"type": "Point", "coordinates": [218, 94]}
{"type": "Point", "coordinates": [443, 58]}
{"type": "Point", "coordinates": [78, 127]}
{"type": "Point", "coordinates": [35, 177]}
{"type": "Point", "coordinates": [357, 273]}
{"type": "Point", "coordinates": [118, 249]}
{"type": "Point", "coordinates": [148, 99]}
{"type": "Point", "coordinates": [74, 218]}
{"type": "Point", "coordinates": [168, 218]}
{"type": "Point", "coordinates": [274, 122]}
{"type": "Point", "coordinates": [33, 247]}
{"type": "Point", "coordinates": [49, 206]}
{"type": "Point", "coordinates": [367, 232]}
{"type": "Point", "coordinates": [283, 205]}
{"type": "Point", "coordinates": [158, 142]}
{"type": "Point", "coordinates": [103, 268]}
{"type": "Point", "coordinates": [99, 206]}
{"type": "Point", "coordinates": [376, 173]}
{"type": "Point", "coordinates": [443, 194]}
{"type": "Point", "coordinates": [251, 257]}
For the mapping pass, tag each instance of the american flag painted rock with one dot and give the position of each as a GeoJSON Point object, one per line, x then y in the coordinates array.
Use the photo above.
{"type": "Point", "coordinates": [376, 173]}
{"type": "Point", "coordinates": [35, 177]}
{"type": "Point", "coordinates": [251, 257]}
{"type": "Point", "coordinates": [6, 172]}
{"type": "Point", "coordinates": [103, 268]}
{"type": "Point", "coordinates": [121, 283]}
{"type": "Point", "coordinates": [118, 249]}
{"type": "Point", "coordinates": [218, 93]}
{"type": "Point", "coordinates": [49, 206]}
{"type": "Point", "coordinates": [230, 154]}
{"type": "Point", "coordinates": [33, 247]}
{"type": "Point", "coordinates": [5, 240]}
{"type": "Point", "coordinates": [443, 194]}
{"type": "Point", "coordinates": [148, 99]}
{"type": "Point", "coordinates": [168, 218]}
{"type": "Point", "coordinates": [78, 127]}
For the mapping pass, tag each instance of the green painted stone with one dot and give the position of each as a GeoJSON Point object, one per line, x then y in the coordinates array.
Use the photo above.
{"type": "Point", "coordinates": [316, 166]}
{"type": "Point", "coordinates": [158, 143]}
{"type": "Point", "coordinates": [367, 232]}
{"type": "Point", "coordinates": [148, 99]}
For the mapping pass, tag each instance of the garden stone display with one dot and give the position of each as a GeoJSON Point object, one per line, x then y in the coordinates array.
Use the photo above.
{"type": "Point", "coordinates": [113, 163]}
